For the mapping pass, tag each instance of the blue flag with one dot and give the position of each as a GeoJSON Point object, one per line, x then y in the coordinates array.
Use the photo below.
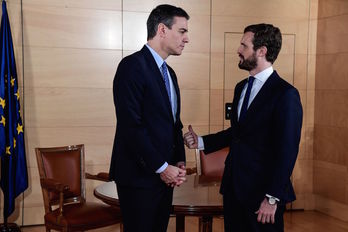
{"type": "Point", "coordinates": [14, 176]}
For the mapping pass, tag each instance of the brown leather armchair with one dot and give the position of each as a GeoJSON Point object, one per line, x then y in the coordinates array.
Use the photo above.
{"type": "Point", "coordinates": [211, 165]}
{"type": "Point", "coordinates": [62, 178]}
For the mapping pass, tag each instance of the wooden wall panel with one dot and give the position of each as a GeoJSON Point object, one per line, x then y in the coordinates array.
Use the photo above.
{"type": "Point", "coordinates": [330, 117]}
{"type": "Point", "coordinates": [69, 107]}
{"type": "Point", "coordinates": [46, 26]}
{"type": "Point", "coordinates": [199, 7]}
{"type": "Point", "coordinates": [91, 4]}
{"type": "Point", "coordinates": [70, 68]}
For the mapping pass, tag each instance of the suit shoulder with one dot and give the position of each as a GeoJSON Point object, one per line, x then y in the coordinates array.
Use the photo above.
{"type": "Point", "coordinates": [131, 59]}
{"type": "Point", "coordinates": [284, 85]}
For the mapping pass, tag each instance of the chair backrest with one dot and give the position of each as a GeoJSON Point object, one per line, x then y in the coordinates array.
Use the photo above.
{"type": "Point", "coordinates": [212, 164]}
{"type": "Point", "coordinates": [65, 165]}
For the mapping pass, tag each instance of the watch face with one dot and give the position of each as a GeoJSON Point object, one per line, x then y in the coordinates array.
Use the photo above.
{"type": "Point", "coordinates": [271, 201]}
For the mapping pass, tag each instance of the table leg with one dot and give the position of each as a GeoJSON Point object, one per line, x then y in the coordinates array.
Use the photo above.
{"type": "Point", "coordinates": [206, 224]}
{"type": "Point", "coordinates": [180, 223]}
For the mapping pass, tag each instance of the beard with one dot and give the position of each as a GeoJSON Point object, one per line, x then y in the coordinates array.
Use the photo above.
{"type": "Point", "coordinates": [248, 64]}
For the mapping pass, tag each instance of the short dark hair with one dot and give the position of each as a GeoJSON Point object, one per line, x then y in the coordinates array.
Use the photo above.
{"type": "Point", "coordinates": [266, 35]}
{"type": "Point", "coordinates": [163, 14]}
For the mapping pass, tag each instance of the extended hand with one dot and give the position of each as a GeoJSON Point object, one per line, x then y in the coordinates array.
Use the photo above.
{"type": "Point", "coordinates": [266, 212]}
{"type": "Point", "coordinates": [191, 138]}
{"type": "Point", "coordinates": [173, 176]}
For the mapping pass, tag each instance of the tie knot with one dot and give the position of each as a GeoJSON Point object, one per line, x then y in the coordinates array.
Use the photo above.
{"type": "Point", "coordinates": [164, 68]}
{"type": "Point", "coordinates": [251, 80]}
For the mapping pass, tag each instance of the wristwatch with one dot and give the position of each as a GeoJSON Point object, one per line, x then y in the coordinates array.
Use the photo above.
{"type": "Point", "coordinates": [272, 200]}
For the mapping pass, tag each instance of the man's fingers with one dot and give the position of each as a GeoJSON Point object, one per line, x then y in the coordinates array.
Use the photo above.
{"type": "Point", "coordinates": [190, 129]}
{"type": "Point", "coordinates": [259, 216]}
{"type": "Point", "coordinates": [272, 219]}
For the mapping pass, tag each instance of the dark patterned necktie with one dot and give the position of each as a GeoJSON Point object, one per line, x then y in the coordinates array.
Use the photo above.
{"type": "Point", "coordinates": [166, 79]}
{"type": "Point", "coordinates": [246, 98]}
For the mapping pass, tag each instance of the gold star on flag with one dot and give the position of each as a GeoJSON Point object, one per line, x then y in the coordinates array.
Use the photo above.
{"type": "Point", "coordinates": [2, 103]}
{"type": "Point", "coordinates": [12, 81]}
{"type": "Point", "coordinates": [17, 94]}
{"type": "Point", "coordinates": [19, 128]}
{"type": "Point", "coordinates": [14, 143]}
{"type": "Point", "coordinates": [8, 150]}
{"type": "Point", "coordinates": [3, 120]}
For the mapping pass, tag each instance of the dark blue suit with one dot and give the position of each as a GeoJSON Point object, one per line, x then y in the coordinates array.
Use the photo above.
{"type": "Point", "coordinates": [146, 135]}
{"type": "Point", "coordinates": [263, 146]}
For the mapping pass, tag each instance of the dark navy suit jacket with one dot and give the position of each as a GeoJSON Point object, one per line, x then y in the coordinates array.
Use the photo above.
{"type": "Point", "coordinates": [263, 146]}
{"type": "Point", "coordinates": [146, 135]}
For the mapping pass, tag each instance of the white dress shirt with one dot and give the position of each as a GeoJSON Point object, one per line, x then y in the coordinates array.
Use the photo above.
{"type": "Point", "coordinates": [173, 97]}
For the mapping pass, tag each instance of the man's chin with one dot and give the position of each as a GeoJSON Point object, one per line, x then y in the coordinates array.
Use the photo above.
{"type": "Point", "coordinates": [243, 67]}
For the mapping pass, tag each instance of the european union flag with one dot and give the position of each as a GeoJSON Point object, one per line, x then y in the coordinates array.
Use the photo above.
{"type": "Point", "coordinates": [14, 177]}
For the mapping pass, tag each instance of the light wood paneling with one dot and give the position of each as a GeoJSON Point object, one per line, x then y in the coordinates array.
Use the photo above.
{"type": "Point", "coordinates": [69, 107]}
{"type": "Point", "coordinates": [100, 4]}
{"type": "Point", "coordinates": [333, 149]}
{"type": "Point", "coordinates": [70, 68]}
{"type": "Point", "coordinates": [334, 30]}
{"type": "Point", "coordinates": [98, 141]}
{"type": "Point", "coordinates": [200, 7]}
{"type": "Point", "coordinates": [195, 107]}
{"type": "Point", "coordinates": [332, 8]}
{"type": "Point", "coordinates": [72, 27]}
{"type": "Point", "coordinates": [330, 111]}
{"type": "Point", "coordinates": [272, 8]}
{"type": "Point", "coordinates": [192, 70]}
{"type": "Point", "coordinates": [335, 77]}
{"type": "Point", "coordinates": [330, 180]}
{"type": "Point", "coordinates": [330, 207]}
{"type": "Point", "coordinates": [332, 108]}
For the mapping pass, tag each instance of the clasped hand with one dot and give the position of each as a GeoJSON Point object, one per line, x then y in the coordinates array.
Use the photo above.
{"type": "Point", "coordinates": [174, 175]}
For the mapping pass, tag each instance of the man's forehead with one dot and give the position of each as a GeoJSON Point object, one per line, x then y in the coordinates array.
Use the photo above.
{"type": "Point", "coordinates": [247, 37]}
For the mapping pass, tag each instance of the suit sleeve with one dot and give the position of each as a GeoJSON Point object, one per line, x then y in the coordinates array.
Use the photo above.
{"type": "Point", "coordinates": [129, 90]}
{"type": "Point", "coordinates": [288, 123]}
{"type": "Point", "coordinates": [214, 142]}
{"type": "Point", "coordinates": [180, 148]}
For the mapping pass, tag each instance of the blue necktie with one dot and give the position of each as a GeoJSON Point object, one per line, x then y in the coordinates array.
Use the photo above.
{"type": "Point", "coordinates": [166, 79]}
{"type": "Point", "coordinates": [246, 98]}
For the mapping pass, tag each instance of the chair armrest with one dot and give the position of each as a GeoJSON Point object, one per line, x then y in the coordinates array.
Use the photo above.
{"type": "Point", "coordinates": [53, 185]}
{"type": "Point", "coordinates": [190, 171]}
{"type": "Point", "coordinates": [102, 176]}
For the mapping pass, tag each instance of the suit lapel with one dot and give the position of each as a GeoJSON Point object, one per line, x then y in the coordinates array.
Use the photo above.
{"type": "Point", "coordinates": [237, 93]}
{"type": "Point", "coordinates": [262, 96]}
{"type": "Point", "coordinates": [158, 77]}
{"type": "Point", "coordinates": [177, 91]}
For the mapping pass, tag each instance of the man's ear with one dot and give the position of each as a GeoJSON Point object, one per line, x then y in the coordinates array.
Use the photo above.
{"type": "Point", "coordinates": [161, 30]}
{"type": "Point", "coordinates": [262, 51]}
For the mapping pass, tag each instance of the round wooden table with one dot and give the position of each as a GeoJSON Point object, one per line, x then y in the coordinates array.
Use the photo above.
{"type": "Point", "coordinates": [199, 196]}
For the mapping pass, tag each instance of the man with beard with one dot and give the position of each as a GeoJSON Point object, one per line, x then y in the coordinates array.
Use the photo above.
{"type": "Point", "coordinates": [264, 138]}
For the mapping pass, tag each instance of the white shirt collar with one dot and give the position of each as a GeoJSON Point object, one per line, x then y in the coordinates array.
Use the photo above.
{"type": "Point", "coordinates": [264, 75]}
{"type": "Point", "coordinates": [156, 56]}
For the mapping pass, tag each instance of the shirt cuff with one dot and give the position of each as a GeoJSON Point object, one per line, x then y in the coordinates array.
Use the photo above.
{"type": "Point", "coordinates": [200, 143]}
{"type": "Point", "coordinates": [162, 168]}
{"type": "Point", "coordinates": [267, 195]}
